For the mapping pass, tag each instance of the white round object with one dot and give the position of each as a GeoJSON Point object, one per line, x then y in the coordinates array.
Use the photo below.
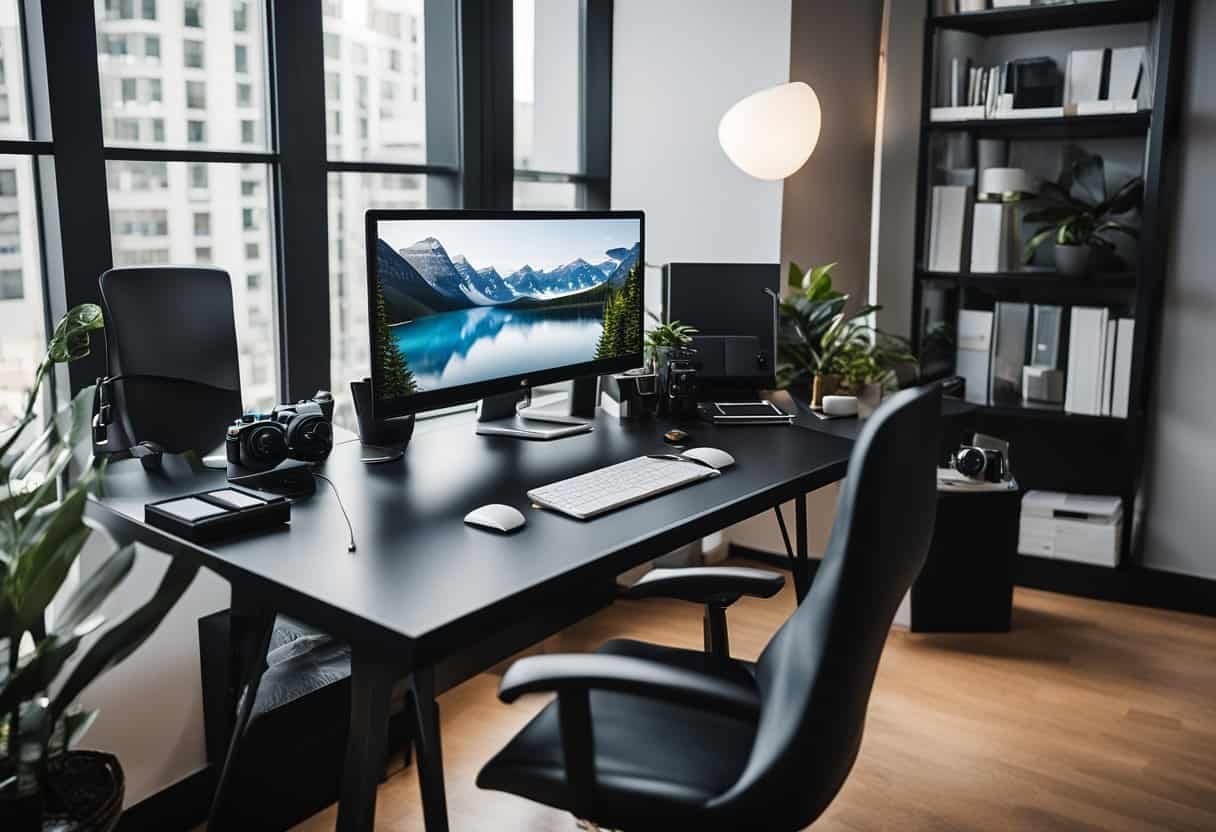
{"type": "Point", "coordinates": [1001, 181]}
{"type": "Point", "coordinates": [771, 133]}
{"type": "Point", "coordinates": [840, 405]}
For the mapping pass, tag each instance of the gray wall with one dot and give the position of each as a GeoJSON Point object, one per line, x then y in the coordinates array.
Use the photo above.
{"type": "Point", "coordinates": [826, 215]}
{"type": "Point", "coordinates": [1181, 525]}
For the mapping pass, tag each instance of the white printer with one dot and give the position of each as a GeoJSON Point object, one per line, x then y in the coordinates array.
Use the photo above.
{"type": "Point", "coordinates": [1078, 527]}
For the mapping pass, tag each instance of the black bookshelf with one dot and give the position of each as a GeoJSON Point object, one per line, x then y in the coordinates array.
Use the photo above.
{"type": "Point", "coordinates": [1022, 19]}
{"type": "Point", "coordinates": [1058, 450]}
{"type": "Point", "coordinates": [1107, 126]}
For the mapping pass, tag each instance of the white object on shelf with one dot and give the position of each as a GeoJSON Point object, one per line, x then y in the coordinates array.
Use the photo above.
{"type": "Point", "coordinates": [991, 236]}
{"type": "Point", "coordinates": [1121, 391]}
{"type": "Point", "coordinates": [1075, 527]}
{"type": "Point", "coordinates": [1086, 350]}
{"type": "Point", "coordinates": [949, 214]}
{"type": "Point", "coordinates": [974, 352]}
{"type": "Point", "coordinates": [956, 113]}
{"type": "Point", "coordinates": [1102, 108]}
{"type": "Point", "coordinates": [1083, 75]}
{"type": "Point", "coordinates": [1030, 112]}
{"type": "Point", "coordinates": [1006, 4]}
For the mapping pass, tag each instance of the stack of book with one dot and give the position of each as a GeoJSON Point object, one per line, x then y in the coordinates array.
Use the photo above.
{"type": "Point", "coordinates": [1099, 363]}
{"type": "Point", "coordinates": [995, 346]}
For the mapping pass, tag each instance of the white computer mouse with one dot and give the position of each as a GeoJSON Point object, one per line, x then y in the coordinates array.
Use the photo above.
{"type": "Point", "coordinates": [714, 457]}
{"type": "Point", "coordinates": [497, 517]}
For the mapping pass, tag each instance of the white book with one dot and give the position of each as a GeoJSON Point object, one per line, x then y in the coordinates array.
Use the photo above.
{"type": "Point", "coordinates": [949, 217]}
{"type": "Point", "coordinates": [1086, 348]}
{"type": "Point", "coordinates": [956, 113]}
{"type": "Point", "coordinates": [1030, 112]}
{"type": "Point", "coordinates": [1108, 367]}
{"type": "Point", "coordinates": [954, 82]}
{"type": "Point", "coordinates": [1083, 75]}
{"type": "Point", "coordinates": [988, 243]}
{"type": "Point", "coordinates": [974, 352]}
{"type": "Point", "coordinates": [1121, 390]}
{"type": "Point", "coordinates": [1102, 108]}
{"type": "Point", "coordinates": [1125, 67]}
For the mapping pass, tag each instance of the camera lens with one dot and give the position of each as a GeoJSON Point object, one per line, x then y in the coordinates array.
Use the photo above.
{"type": "Point", "coordinates": [266, 443]}
{"type": "Point", "coordinates": [970, 462]}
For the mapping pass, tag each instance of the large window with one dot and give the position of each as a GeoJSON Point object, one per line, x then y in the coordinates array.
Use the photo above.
{"type": "Point", "coordinates": [199, 206]}
{"type": "Point", "coordinates": [199, 169]}
{"type": "Point", "coordinates": [186, 90]}
{"type": "Point", "coordinates": [551, 119]}
{"type": "Point", "coordinates": [391, 133]}
{"type": "Point", "coordinates": [22, 321]}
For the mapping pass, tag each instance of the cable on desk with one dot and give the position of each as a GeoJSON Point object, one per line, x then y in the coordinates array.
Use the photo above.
{"type": "Point", "coordinates": [351, 546]}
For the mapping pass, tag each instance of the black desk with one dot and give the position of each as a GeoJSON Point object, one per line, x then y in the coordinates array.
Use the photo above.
{"type": "Point", "coordinates": [424, 590]}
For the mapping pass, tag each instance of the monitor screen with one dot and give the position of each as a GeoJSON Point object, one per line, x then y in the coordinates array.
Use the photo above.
{"type": "Point", "coordinates": [465, 305]}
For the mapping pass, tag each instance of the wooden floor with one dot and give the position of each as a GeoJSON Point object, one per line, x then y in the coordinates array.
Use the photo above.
{"type": "Point", "coordinates": [1089, 716]}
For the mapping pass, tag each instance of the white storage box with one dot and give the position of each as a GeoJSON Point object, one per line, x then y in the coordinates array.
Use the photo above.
{"type": "Point", "coordinates": [1077, 527]}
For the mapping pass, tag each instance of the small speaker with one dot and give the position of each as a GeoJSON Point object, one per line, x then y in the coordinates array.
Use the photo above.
{"type": "Point", "coordinates": [380, 432]}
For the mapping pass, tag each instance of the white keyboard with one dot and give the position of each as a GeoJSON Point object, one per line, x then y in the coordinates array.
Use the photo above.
{"type": "Point", "coordinates": [596, 492]}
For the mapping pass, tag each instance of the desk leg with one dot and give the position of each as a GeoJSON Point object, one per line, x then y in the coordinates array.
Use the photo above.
{"type": "Point", "coordinates": [430, 753]}
{"type": "Point", "coordinates": [802, 580]}
{"type": "Point", "coordinates": [250, 639]}
{"type": "Point", "coordinates": [371, 687]}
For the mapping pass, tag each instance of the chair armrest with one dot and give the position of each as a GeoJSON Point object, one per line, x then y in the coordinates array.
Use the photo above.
{"type": "Point", "coordinates": [575, 672]}
{"type": "Point", "coordinates": [724, 584]}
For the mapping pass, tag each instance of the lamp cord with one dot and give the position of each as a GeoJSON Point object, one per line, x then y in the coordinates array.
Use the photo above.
{"type": "Point", "coordinates": [350, 528]}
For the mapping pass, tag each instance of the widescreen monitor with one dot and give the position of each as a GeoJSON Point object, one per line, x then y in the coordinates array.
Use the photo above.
{"type": "Point", "coordinates": [464, 305]}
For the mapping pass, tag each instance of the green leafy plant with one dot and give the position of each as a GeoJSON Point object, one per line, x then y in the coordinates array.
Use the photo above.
{"type": "Point", "coordinates": [674, 334]}
{"type": "Point", "coordinates": [1078, 210]}
{"type": "Point", "coordinates": [872, 358]}
{"type": "Point", "coordinates": [42, 531]}
{"type": "Point", "coordinates": [815, 332]}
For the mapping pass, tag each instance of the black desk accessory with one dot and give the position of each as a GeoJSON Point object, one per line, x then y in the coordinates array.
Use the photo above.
{"type": "Point", "coordinates": [387, 435]}
{"type": "Point", "coordinates": [734, 308]}
{"type": "Point", "coordinates": [630, 395]}
{"type": "Point", "coordinates": [214, 515]}
{"type": "Point", "coordinates": [681, 387]}
{"type": "Point", "coordinates": [290, 478]}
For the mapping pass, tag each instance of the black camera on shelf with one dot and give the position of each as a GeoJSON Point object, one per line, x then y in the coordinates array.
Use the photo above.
{"type": "Point", "coordinates": [303, 431]}
{"type": "Point", "coordinates": [981, 464]}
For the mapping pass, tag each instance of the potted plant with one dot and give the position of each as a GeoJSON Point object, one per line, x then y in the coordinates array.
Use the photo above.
{"type": "Point", "coordinates": [814, 332]}
{"type": "Point", "coordinates": [1079, 215]}
{"type": "Point", "coordinates": [661, 340]}
{"type": "Point", "coordinates": [868, 366]}
{"type": "Point", "coordinates": [42, 530]}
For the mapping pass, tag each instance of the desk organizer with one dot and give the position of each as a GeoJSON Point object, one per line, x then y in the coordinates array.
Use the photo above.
{"type": "Point", "coordinates": [217, 514]}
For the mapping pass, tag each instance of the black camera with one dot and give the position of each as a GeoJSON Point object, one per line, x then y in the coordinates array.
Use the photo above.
{"type": "Point", "coordinates": [303, 431]}
{"type": "Point", "coordinates": [681, 389]}
{"type": "Point", "coordinates": [980, 464]}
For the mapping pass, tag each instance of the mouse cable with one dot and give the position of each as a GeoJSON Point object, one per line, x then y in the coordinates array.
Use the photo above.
{"type": "Point", "coordinates": [351, 546]}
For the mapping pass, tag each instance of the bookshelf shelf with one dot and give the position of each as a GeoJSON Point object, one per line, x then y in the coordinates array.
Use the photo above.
{"type": "Point", "coordinates": [1056, 450]}
{"type": "Point", "coordinates": [1114, 125]}
{"type": "Point", "coordinates": [1023, 19]}
{"type": "Point", "coordinates": [1048, 413]}
{"type": "Point", "coordinates": [1112, 288]}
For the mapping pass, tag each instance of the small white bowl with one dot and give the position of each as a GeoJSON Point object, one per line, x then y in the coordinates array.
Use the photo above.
{"type": "Point", "coordinates": [840, 405]}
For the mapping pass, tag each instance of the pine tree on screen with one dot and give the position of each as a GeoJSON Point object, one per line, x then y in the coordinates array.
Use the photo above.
{"type": "Point", "coordinates": [396, 379]}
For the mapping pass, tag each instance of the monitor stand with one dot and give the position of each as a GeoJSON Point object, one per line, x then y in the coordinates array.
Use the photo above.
{"type": "Point", "coordinates": [507, 415]}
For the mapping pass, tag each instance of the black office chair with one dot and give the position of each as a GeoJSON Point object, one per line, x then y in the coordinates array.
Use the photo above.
{"type": "Point", "coordinates": [174, 380]}
{"type": "Point", "coordinates": [649, 737]}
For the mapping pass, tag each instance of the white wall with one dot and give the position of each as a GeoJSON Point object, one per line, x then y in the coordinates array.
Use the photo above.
{"type": "Point", "coordinates": [151, 705]}
{"type": "Point", "coordinates": [677, 67]}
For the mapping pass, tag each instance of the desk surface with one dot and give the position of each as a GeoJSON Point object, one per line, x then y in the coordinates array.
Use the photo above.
{"type": "Point", "coordinates": [420, 576]}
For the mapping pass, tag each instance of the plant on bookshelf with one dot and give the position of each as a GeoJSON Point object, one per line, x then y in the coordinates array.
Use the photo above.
{"type": "Point", "coordinates": [1080, 215]}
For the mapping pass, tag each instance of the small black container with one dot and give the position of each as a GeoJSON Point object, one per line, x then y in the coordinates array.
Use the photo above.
{"type": "Point", "coordinates": [217, 514]}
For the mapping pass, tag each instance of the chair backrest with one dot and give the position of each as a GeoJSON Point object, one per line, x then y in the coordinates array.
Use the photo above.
{"type": "Point", "coordinates": [816, 674]}
{"type": "Point", "coordinates": [171, 346]}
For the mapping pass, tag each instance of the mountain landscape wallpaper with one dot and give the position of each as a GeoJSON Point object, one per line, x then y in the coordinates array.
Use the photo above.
{"type": "Point", "coordinates": [464, 301]}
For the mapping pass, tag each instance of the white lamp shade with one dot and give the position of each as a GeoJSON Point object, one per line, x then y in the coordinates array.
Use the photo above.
{"type": "Point", "coordinates": [771, 133]}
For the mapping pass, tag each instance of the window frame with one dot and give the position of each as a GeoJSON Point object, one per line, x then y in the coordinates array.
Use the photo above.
{"type": "Point", "coordinates": [63, 98]}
